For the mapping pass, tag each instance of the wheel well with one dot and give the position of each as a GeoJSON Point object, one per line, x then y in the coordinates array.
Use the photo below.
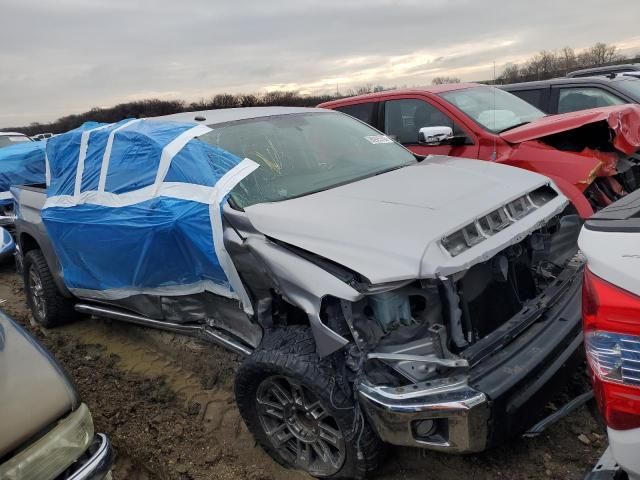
{"type": "Point", "coordinates": [285, 313]}
{"type": "Point", "coordinates": [27, 243]}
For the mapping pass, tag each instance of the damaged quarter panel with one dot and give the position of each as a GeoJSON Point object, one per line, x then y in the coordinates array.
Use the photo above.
{"type": "Point", "coordinates": [304, 284]}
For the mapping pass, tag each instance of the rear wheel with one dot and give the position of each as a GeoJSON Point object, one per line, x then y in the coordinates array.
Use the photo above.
{"type": "Point", "coordinates": [48, 307]}
{"type": "Point", "coordinates": [292, 404]}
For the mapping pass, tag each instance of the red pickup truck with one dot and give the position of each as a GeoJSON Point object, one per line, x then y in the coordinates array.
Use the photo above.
{"type": "Point", "coordinates": [592, 155]}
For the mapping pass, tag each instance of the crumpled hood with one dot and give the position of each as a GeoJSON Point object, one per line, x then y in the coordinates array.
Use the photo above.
{"type": "Point", "coordinates": [34, 392]}
{"type": "Point", "coordinates": [389, 227]}
{"type": "Point", "coordinates": [624, 120]}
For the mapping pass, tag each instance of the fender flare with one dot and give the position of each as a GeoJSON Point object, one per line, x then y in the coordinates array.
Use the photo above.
{"type": "Point", "coordinates": [575, 196]}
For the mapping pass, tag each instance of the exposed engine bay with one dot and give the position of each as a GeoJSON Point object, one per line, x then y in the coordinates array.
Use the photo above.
{"type": "Point", "coordinates": [422, 329]}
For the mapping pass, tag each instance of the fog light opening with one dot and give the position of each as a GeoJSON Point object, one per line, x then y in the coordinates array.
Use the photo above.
{"type": "Point", "coordinates": [425, 428]}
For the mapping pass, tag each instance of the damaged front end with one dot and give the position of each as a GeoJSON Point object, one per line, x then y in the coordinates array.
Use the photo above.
{"type": "Point", "coordinates": [431, 358]}
{"type": "Point", "coordinates": [596, 151]}
{"type": "Point", "coordinates": [447, 311]}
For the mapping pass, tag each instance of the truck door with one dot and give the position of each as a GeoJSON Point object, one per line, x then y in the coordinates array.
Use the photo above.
{"type": "Point", "coordinates": [403, 119]}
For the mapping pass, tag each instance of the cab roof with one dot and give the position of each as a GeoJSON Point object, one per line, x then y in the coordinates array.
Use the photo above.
{"type": "Point", "coordinates": [433, 89]}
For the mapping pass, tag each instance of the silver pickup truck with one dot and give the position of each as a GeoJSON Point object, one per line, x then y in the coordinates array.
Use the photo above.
{"type": "Point", "coordinates": [418, 302]}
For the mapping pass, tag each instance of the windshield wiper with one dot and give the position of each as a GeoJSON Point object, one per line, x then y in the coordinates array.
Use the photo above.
{"type": "Point", "coordinates": [513, 126]}
{"type": "Point", "coordinates": [397, 167]}
{"type": "Point", "coordinates": [346, 182]}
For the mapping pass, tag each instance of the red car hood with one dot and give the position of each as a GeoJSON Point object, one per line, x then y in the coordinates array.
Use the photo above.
{"type": "Point", "coordinates": [624, 120]}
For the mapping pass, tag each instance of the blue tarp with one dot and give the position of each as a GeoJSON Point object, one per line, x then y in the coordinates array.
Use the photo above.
{"type": "Point", "coordinates": [134, 208]}
{"type": "Point", "coordinates": [20, 164]}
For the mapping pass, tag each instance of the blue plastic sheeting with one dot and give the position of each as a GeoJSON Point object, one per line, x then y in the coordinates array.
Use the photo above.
{"type": "Point", "coordinates": [20, 164]}
{"type": "Point", "coordinates": [134, 208]}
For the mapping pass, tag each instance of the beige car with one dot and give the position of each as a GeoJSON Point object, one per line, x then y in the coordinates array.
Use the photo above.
{"type": "Point", "coordinates": [46, 432]}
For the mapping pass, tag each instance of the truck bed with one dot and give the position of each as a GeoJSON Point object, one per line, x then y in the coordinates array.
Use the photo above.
{"type": "Point", "coordinates": [621, 216]}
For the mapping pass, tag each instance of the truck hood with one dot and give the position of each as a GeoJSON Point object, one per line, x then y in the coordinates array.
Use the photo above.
{"type": "Point", "coordinates": [624, 120]}
{"type": "Point", "coordinates": [34, 391]}
{"type": "Point", "coordinates": [388, 227]}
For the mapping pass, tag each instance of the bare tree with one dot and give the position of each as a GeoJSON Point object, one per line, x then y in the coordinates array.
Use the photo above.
{"type": "Point", "coordinates": [567, 60]}
{"type": "Point", "coordinates": [603, 53]}
{"type": "Point", "coordinates": [444, 80]}
{"type": "Point", "coordinates": [248, 100]}
{"type": "Point", "coordinates": [510, 74]}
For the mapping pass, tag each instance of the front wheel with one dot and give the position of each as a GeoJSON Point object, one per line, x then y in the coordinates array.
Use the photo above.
{"type": "Point", "coordinates": [48, 307]}
{"type": "Point", "coordinates": [292, 404]}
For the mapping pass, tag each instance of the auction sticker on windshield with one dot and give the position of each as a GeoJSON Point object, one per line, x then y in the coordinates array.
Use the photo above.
{"type": "Point", "coordinates": [375, 139]}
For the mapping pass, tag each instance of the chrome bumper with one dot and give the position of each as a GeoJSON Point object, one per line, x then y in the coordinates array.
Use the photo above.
{"type": "Point", "coordinates": [460, 414]}
{"type": "Point", "coordinates": [98, 466]}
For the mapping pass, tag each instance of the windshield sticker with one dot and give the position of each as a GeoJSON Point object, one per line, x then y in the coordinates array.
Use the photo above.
{"type": "Point", "coordinates": [376, 139]}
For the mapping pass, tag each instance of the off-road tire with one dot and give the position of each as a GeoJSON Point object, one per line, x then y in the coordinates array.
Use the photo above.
{"type": "Point", "coordinates": [290, 353]}
{"type": "Point", "coordinates": [57, 308]}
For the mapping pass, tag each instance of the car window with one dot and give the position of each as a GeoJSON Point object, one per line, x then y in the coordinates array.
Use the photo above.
{"type": "Point", "coordinates": [630, 86]}
{"type": "Point", "coordinates": [494, 109]}
{"type": "Point", "coordinates": [534, 97]}
{"type": "Point", "coordinates": [362, 111]}
{"type": "Point", "coordinates": [300, 154]}
{"type": "Point", "coordinates": [574, 99]}
{"type": "Point", "coordinates": [403, 119]}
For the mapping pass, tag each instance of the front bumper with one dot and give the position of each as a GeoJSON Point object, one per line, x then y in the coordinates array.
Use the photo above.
{"type": "Point", "coordinates": [486, 406]}
{"type": "Point", "coordinates": [459, 413]}
{"type": "Point", "coordinates": [97, 463]}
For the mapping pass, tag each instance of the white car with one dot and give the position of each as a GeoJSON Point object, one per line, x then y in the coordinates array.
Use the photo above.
{"type": "Point", "coordinates": [11, 138]}
{"type": "Point", "coordinates": [610, 240]}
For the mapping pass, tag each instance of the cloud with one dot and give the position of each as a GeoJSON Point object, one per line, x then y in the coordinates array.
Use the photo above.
{"type": "Point", "coordinates": [65, 56]}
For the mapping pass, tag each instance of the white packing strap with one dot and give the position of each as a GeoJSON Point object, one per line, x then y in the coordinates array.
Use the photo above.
{"type": "Point", "coordinates": [179, 190]}
{"type": "Point", "coordinates": [106, 158]}
{"type": "Point", "coordinates": [84, 146]}
{"type": "Point", "coordinates": [5, 195]}
{"type": "Point", "coordinates": [173, 148]}
{"type": "Point", "coordinates": [47, 172]}
{"type": "Point", "coordinates": [222, 189]}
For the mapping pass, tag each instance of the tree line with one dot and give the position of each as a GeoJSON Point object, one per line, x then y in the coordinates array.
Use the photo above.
{"type": "Point", "coordinates": [546, 64]}
{"type": "Point", "coordinates": [155, 107]}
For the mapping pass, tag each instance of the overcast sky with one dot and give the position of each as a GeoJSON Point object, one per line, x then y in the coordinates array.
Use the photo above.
{"type": "Point", "coordinates": [59, 57]}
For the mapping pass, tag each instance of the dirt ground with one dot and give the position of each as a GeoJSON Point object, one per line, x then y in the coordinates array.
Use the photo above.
{"type": "Point", "coordinates": [167, 404]}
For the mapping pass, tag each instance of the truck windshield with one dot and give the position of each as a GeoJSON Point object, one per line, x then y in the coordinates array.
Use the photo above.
{"type": "Point", "coordinates": [300, 154]}
{"type": "Point", "coordinates": [493, 109]}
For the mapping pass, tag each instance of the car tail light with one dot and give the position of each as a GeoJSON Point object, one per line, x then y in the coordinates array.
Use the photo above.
{"type": "Point", "coordinates": [611, 318]}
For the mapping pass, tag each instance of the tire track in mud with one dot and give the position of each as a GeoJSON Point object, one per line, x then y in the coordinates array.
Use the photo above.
{"type": "Point", "coordinates": [213, 406]}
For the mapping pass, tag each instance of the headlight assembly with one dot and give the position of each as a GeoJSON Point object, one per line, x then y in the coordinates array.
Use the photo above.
{"type": "Point", "coordinates": [54, 452]}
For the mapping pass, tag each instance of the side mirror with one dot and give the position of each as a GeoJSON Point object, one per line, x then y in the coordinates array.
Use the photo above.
{"type": "Point", "coordinates": [434, 135]}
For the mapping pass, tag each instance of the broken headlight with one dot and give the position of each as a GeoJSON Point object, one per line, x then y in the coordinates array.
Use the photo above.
{"type": "Point", "coordinates": [496, 221]}
{"type": "Point", "coordinates": [50, 455]}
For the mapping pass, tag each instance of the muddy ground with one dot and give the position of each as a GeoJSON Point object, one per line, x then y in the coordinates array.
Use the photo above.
{"type": "Point", "coordinates": [167, 404]}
